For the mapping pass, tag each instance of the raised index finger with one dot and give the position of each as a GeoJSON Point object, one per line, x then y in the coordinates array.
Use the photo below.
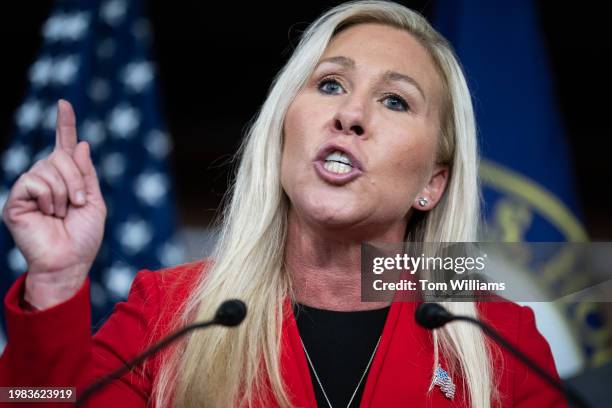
{"type": "Point", "coordinates": [65, 127]}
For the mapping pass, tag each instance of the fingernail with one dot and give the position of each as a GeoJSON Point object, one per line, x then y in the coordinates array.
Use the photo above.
{"type": "Point", "coordinates": [80, 197]}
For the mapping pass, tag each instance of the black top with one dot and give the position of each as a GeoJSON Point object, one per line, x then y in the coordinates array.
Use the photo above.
{"type": "Point", "coordinates": [340, 345]}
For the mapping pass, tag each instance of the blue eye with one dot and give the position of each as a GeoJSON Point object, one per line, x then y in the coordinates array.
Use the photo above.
{"type": "Point", "coordinates": [330, 86]}
{"type": "Point", "coordinates": [397, 103]}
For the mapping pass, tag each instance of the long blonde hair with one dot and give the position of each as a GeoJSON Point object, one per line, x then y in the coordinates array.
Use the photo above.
{"type": "Point", "coordinates": [216, 367]}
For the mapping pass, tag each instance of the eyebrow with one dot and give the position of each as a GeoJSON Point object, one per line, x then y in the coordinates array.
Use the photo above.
{"type": "Point", "coordinates": [388, 76]}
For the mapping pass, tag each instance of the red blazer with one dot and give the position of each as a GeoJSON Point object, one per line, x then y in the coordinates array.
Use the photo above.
{"type": "Point", "coordinates": [55, 348]}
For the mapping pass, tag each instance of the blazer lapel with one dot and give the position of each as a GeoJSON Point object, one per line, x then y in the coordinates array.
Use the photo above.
{"type": "Point", "coordinates": [295, 367]}
{"type": "Point", "coordinates": [383, 349]}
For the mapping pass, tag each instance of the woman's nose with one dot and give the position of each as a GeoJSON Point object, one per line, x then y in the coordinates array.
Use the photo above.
{"type": "Point", "coordinates": [351, 117]}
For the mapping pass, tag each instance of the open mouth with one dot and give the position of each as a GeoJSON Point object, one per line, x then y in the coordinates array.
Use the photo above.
{"type": "Point", "coordinates": [338, 162]}
{"type": "Point", "coordinates": [337, 165]}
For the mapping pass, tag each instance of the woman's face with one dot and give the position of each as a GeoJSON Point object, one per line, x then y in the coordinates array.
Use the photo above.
{"type": "Point", "coordinates": [360, 138]}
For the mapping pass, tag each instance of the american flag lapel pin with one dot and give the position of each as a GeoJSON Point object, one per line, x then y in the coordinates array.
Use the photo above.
{"type": "Point", "coordinates": [443, 380]}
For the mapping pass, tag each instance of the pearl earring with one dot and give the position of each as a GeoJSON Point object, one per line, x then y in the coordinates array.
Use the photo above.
{"type": "Point", "coordinates": [423, 201]}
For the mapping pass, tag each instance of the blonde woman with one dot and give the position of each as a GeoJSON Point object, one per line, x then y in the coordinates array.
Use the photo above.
{"type": "Point", "coordinates": [367, 134]}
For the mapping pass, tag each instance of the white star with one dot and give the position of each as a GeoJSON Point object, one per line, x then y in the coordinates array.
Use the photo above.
{"type": "Point", "coordinates": [106, 48]}
{"type": "Point", "coordinates": [41, 72]}
{"type": "Point", "coordinates": [113, 166]}
{"type": "Point", "coordinates": [99, 89]}
{"type": "Point", "coordinates": [52, 30]}
{"type": "Point", "coordinates": [61, 26]}
{"type": "Point", "coordinates": [137, 75]}
{"type": "Point", "coordinates": [50, 117]}
{"type": "Point", "coordinates": [118, 279]}
{"type": "Point", "coordinates": [15, 160]}
{"type": "Point", "coordinates": [151, 187]}
{"type": "Point", "coordinates": [134, 235]}
{"type": "Point", "coordinates": [65, 68]}
{"type": "Point", "coordinates": [113, 11]}
{"type": "Point", "coordinates": [123, 121]}
{"type": "Point", "coordinates": [28, 115]}
{"type": "Point", "coordinates": [92, 130]}
{"type": "Point", "coordinates": [16, 261]}
{"type": "Point", "coordinates": [171, 254]}
{"type": "Point", "coordinates": [157, 144]}
{"type": "Point", "coordinates": [75, 25]}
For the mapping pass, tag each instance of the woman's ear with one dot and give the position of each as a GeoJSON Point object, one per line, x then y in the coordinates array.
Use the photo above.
{"type": "Point", "coordinates": [431, 194]}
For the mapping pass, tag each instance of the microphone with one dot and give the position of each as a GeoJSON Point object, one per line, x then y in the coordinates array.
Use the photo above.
{"type": "Point", "coordinates": [432, 316]}
{"type": "Point", "coordinates": [229, 314]}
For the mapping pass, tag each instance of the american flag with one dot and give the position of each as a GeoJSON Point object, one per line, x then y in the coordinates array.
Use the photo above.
{"type": "Point", "coordinates": [96, 54]}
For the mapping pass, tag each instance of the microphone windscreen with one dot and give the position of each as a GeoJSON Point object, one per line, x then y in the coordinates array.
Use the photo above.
{"type": "Point", "coordinates": [432, 315]}
{"type": "Point", "coordinates": [231, 313]}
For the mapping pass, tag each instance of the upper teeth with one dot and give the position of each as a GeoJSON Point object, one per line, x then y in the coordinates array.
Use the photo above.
{"type": "Point", "coordinates": [340, 157]}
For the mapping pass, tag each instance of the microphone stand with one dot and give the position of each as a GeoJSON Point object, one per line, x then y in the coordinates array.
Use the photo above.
{"type": "Point", "coordinates": [230, 313]}
{"type": "Point", "coordinates": [569, 392]}
{"type": "Point", "coordinates": [433, 315]}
